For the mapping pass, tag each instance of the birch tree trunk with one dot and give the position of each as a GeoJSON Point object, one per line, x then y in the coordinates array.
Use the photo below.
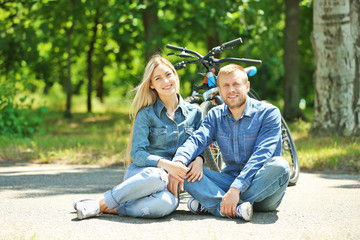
{"type": "Point", "coordinates": [336, 43]}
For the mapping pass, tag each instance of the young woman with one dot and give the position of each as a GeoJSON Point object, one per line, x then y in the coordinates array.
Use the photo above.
{"type": "Point", "coordinates": [163, 121]}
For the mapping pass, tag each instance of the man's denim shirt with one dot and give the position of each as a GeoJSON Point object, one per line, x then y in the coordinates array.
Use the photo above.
{"type": "Point", "coordinates": [246, 143]}
{"type": "Point", "coordinates": [158, 136]}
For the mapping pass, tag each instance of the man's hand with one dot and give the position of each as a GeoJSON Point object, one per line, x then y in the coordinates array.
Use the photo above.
{"type": "Point", "coordinates": [196, 170]}
{"type": "Point", "coordinates": [229, 202]}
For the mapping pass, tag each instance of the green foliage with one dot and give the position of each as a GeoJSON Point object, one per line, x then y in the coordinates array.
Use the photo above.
{"type": "Point", "coordinates": [34, 40]}
{"type": "Point", "coordinates": [17, 119]}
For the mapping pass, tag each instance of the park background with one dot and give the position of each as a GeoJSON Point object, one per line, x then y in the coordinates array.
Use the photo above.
{"type": "Point", "coordinates": [68, 70]}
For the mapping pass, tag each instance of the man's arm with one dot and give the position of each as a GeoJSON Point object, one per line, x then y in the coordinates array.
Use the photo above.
{"type": "Point", "coordinates": [192, 147]}
{"type": "Point", "coordinates": [196, 143]}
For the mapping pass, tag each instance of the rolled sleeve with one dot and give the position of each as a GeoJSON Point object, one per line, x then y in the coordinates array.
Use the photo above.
{"type": "Point", "coordinates": [180, 159]}
{"type": "Point", "coordinates": [240, 184]}
{"type": "Point", "coordinates": [152, 160]}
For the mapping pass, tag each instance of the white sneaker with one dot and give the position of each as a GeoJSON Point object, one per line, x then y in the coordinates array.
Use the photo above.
{"type": "Point", "coordinates": [89, 208]}
{"type": "Point", "coordinates": [82, 200]}
{"type": "Point", "coordinates": [244, 211]}
{"type": "Point", "coordinates": [195, 206]}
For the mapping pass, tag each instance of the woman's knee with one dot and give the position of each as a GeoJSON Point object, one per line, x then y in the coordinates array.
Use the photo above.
{"type": "Point", "coordinates": [155, 175]}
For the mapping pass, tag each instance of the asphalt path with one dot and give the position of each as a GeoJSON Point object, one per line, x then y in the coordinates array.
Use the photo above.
{"type": "Point", "coordinates": [36, 203]}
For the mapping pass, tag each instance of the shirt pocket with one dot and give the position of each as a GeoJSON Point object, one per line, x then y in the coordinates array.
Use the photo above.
{"type": "Point", "coordinates": [249, 143]}
{"type": "Point", "coordinates": [157, 137]}
{"type": "Point", "coordinates": [223, 140]}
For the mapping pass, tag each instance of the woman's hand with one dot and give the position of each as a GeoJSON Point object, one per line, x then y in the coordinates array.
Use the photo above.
{"type": "Point", "coordinates": [176, 169]}
{"type": "Point", "coordinates": [196, 170]}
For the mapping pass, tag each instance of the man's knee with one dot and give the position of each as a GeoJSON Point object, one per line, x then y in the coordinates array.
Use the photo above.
{"type": "Point", "coordinates": [279, 167]}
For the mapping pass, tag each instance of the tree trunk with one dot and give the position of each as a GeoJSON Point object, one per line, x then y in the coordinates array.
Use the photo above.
{"type": "Point", "coordinates": [213, 41]}
{"type": "Point", "coordinates": [68, 84]}
{"type": "Point", "coordinates": [336, 43]}
{"type": "Point", "coordinates": [100, 87]}
{"type": "Point", "coordinates": [89, 62]}
{"type": "Point", "coordinates": [151, 29]}
{"type": "Point", "coordinates": [291, 63]}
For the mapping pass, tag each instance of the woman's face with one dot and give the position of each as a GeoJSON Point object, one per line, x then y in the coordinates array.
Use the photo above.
{"type": "Point", "coordinates": [163, 80]}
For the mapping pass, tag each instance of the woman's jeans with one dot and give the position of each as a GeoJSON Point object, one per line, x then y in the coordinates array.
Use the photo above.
{"type": "Point", "coordinates": [144, 193]}
{"type": "Point", "coordinates": [265, 192]}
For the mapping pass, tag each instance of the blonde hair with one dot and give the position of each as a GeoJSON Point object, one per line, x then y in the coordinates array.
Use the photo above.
{"type": "Point", "coordinates": [233, 68]}
{"type": "Point", "coordinates": [146, 96]}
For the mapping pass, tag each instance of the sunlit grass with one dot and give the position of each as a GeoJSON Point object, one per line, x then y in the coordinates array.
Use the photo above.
{"type": "Point", "coordinates": [325, 153]}
{"type": "Point", "coordinates": [85, 139]}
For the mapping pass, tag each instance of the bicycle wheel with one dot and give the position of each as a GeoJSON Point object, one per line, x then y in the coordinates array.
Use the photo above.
{"type": "Point", "coordinates": [213, 157]}
{"type": "Point", "coordinates": [288, 152]}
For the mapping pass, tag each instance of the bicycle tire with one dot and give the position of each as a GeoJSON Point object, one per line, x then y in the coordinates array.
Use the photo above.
{"type": "Point", "coordinates": [213, 157]}
{"type": "Point", "coordinates": [289, 152]}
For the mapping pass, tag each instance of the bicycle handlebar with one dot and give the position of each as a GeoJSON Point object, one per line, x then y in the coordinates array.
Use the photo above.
{"type": "Point", "coordinates": [242, 60]}
{"type": "Point", "coordinates": [208, 59]}
{"type": "Point", "coordinates": [174, 47]}
{"type": "Point", "coordinates": [231, 43]}
{"type": "Point", "coordinates": [182, 49]}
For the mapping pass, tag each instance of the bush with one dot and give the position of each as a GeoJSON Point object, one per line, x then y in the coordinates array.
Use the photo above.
{"type": "Point", "coordinates": [15, 119]}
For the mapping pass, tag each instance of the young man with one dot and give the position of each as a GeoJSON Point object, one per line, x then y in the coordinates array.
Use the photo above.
{"type": "Point", "coordinates": [248, 133]}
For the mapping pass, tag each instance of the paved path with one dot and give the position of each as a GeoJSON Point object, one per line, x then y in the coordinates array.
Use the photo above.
{"type": "Point", "coordinates": [36, 203]}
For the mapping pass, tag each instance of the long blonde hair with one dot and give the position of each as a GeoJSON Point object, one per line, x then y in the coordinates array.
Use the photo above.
{"type": "Point", "coordinates": [146, 96]}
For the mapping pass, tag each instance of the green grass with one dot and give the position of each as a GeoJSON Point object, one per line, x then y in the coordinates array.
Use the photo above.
{"type": "Point", "coordinates": [101, 138]}
{"type": "Point", "coordinates": [325, 152]}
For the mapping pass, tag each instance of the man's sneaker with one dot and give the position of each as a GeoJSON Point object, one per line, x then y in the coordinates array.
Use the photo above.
{"type": "Point", "coordinates": [195, 206]}
{"type": "Point", "coordinates": [82, 200]}
{"type": "Point", "coordinates": [244, 211]}
{"type": "Point", "coordinates": [86, 209]}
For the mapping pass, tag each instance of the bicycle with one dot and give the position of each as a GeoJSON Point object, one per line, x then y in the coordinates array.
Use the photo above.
{"type": "Point", "coordinates": [207, 96]}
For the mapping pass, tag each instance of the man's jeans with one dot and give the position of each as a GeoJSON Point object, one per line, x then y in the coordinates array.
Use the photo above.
{"type": "Point", "coordinates": [144, 193]}
{"type": "Point", "coordinates": [265, 192]}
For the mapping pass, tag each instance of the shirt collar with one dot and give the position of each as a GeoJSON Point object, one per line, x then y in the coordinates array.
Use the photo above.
{"type": "Point", "coordinates": [159, 106]}
{"type": "Point", "coordinates": [247, 111]}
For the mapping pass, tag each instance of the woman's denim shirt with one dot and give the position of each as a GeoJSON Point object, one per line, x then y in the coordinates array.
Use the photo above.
{"type": "Point", "coordinates": [158, 136]}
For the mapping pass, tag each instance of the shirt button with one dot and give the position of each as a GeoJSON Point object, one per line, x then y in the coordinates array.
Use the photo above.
{"type": "Point", "coordinates": [236, 123]}
{"type": "Point", "coordinates": [236, 155]}
{"type": "Point", "coordinates": [235, 139]}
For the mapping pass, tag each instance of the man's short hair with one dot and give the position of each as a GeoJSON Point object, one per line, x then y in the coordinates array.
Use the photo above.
{"type": "Point", "coordinates": [232, 68]}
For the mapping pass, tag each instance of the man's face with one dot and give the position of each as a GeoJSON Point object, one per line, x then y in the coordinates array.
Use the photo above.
{"type": "Point", "coordinates": [233, 88]}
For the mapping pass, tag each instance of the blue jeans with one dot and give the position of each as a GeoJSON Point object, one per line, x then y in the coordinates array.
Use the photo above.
{"type": "Point", "coordinates": [265, 192]}
{"type": "Point", "coordinates": [144, 193]}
